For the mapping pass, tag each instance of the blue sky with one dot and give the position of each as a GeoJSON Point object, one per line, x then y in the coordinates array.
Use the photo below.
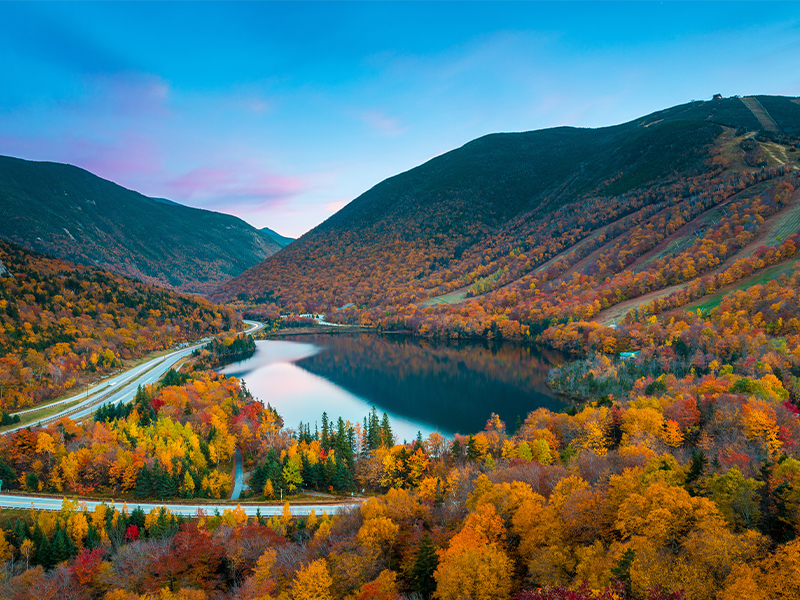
{"type": "Point", "coordinates": [281, 113]}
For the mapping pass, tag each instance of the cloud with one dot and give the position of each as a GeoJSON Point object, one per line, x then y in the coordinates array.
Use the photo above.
{"type": "Point", "coordinates": [336, 205]}
{"type": "Point", "coordinates": [234, 187]}
{"type": "Point", "coordinates": [128, 154]}
{"type": "Point", "coordinates": [382, 124]}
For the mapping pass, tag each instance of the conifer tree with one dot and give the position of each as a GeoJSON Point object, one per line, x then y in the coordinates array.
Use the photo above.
{"type": "Point", "coordinates": [326, 432]}
{"type": "Point", "coordinates": [425, 563]}
{"type": "Point", "coordinates": [387, 437]}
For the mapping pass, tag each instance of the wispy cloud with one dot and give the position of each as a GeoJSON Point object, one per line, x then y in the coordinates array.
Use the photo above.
{"type": "Point", "coordinates": [336, 205]}
{"type": "Point", "coordinates": [382, 124]}
{"type": "Point", "coordinates": [129, 153]}
{"type": "Point", "coordinates": [240, 185]}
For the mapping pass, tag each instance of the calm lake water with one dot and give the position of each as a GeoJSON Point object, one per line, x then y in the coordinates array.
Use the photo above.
{"type": "Point", "coordinates": [450, 387]}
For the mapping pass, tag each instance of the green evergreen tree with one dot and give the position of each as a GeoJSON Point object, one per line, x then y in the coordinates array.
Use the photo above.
{"type": "Point", "coordinates": [622, 571]}
{"type": "Point", "coordinates": [8, 476]}
{"type": "Point", "coordinates": [44, 551]}
{"type": "Point", "coordinates": [697, 469]}
{"type": "Point", "coordinates": [374, 433]}
{"type": "Point", "coordinates": [329, 472]}
{"type": "Point", "coordinates": [472, 450]}
{"type": "Point", "coordinates": [60, 546]}
{"type": "Point", "coordinates": [92, 537]}
{"type": "Point", "coordinates": [387, 437]}
{"type": "Point", "coordinates": [344, 478]}
{"type": "Point", "coordinates": [365, 444]}
{"type": "Point", "coordinates": [425, 563]}
{"type": "Point", "coordinates": [455, 449]}
{"type": "Point", "coordinates": [326, 432]}
{"type": "Point", "coordinates": [137, 518]}
{"type": "Point", "coordinates": [144, 485]}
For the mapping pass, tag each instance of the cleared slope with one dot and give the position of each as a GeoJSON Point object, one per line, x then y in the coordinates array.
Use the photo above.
{"type": "Point", "coordinates": [410, 229]}
{"type": "Point", "coordinates": [67, 212]}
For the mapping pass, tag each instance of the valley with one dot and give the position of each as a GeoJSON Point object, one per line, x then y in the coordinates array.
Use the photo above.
{"type": "Point", "coordinates": [552, 362]}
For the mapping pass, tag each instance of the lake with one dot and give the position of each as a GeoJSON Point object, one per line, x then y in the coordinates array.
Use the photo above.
{"type": "Point", "coordinates": [449, 387]}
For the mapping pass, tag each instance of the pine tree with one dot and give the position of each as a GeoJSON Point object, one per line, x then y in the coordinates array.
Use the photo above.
{"type": "Point", "coordinates": [344, 478]}
{"type": "Point", "coordinates": [374, 433]}
{"type": "Point", "coordinates": [329, 472]}
{"type": "Point", "coordinates": [425, 563]}
{"type": "Point", "coordinates": [455, 449]}
{"type": "Point", "coordinates": [472, 450]}
{"type": "Point", "coordinates": [317, 475]}
{"type": "Point", "coordinates": [44, 551]}
{"type": "Point", "coordinates": [326, 432]}
{"type": "Point", "coordinates": [92, 537]}
{"type": "Point", "coordinates": [622, 571]}
{"type": "Point", "coordinates": [696, 470]}
{"type": "Point", "coordinates": [144, 485]}
{"type": "Point", "coordinates": [259, 477]}
{"type": "Point", "coordinates": [365, 444]}
{"type": "Point", "coordinates": [60, 548]}
{"type": "Point", "coordinates": [137, 517]}
{"type": "Point", "coordinates": [387, 437]}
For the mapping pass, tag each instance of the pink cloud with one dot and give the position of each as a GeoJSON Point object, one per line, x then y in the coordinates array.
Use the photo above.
{"type": "Point", "coordinates": [335, 205]}
{"type": "Point", "coordinates": [130, 155]}
{"type": "Point", "coordinates": [382, 124]}
{"type": "Point", "coordinates": [237, 185]}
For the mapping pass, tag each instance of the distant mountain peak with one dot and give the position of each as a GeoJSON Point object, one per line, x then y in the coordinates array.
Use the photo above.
{"type": "Point", "coordinates": [278, 238]}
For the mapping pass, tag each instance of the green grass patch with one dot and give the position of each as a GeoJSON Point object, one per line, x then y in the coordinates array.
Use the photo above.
{"type": "Point", "coordinates": [709, 303]}
{"type": "Point", "coordinates": [10, 516]}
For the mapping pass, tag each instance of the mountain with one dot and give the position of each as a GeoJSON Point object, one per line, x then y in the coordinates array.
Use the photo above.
{"type": "Point", "coordinates": [549, 223]}
{"type": "Point", "coordinates": [70, 213]}
{"type": "Point", "coordinates": [63, 324]}
{"type": "Point", "coordinates": [279, 239]}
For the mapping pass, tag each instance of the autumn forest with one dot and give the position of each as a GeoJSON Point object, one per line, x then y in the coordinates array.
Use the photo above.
{"type": "Point", "coordinates": [660, 257]}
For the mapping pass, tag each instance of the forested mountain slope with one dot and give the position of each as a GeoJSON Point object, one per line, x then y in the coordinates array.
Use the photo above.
{"type": "Point", "coordinates": [544, 224]}
{"type": "Point", "coordinates": [62, 324]}
{"type": "Point", "coordinates": [68, 212]}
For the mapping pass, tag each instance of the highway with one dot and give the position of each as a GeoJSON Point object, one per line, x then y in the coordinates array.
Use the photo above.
{"type": "Point", "coordinates": [188, 510]}
{"type": "Point", "coordinates": [121, 388]}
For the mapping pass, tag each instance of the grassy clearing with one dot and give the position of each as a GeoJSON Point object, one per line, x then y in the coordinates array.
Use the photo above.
{"type": "Point", "coordinates": [44, 412]}
{"type": "Point", "coordinates": [710, 302]}
{"type": "Point", "coordinates": [455, 297]}
{"type": "Point", "coordinates": [788, 223]}
{"type": "Point", "coordinates": [10, 516]}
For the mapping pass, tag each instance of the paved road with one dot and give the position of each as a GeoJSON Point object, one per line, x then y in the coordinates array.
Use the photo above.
{"type": "Point", "coordinates": [238, 483]}
{"type": "Point", "coordinates": [40, 503]}
{"type": "Point", "coordinates": [122, 388]}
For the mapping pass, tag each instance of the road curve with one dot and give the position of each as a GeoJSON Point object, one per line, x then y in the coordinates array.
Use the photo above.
{"type": "Point", "coordinates": [238, 480]}
{"type": "Point", "coordinates": [187, 510]}
{"type": "Point", "coordinates": [121, 388]}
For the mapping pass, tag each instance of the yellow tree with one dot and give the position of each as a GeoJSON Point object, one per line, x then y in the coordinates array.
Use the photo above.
{"type": "Point", "coordinates": [313, 582]}
{"type": "Point", "coordinates": [472, 567]}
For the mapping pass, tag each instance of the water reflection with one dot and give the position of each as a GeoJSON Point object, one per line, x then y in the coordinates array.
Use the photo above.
{"type": "Point", "coordinates": [449, 387]}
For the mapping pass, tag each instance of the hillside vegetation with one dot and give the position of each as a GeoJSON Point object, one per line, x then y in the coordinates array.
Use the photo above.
{"type": "Point", "coordinates": [662, 255]}
{"type": "Point", "coordinates": [542, 225]}
{"type": "Point", "coordinates": [67, 212]}
{"type": "Point", "coordinates": [63, 324]}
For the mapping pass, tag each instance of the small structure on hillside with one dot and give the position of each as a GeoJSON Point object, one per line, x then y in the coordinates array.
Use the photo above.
{"type": "Point", "coordinates": [717, 97]}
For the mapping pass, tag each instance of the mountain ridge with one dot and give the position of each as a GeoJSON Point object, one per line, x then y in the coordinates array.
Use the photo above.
{"type": "Point", "coordinates": [70, 213]}
{"type": "Point", "coordinates": [496, 211]}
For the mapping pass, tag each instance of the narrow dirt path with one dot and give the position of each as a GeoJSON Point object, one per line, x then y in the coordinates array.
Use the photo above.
{"type": "Point", "coordinates": [760, 113]}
